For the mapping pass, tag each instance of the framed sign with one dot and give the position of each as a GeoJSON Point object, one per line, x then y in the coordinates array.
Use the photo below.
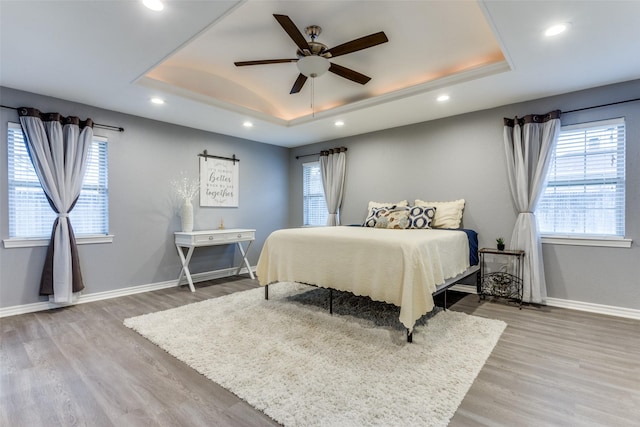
{"type": "Point", "coordinates": [219, 182]}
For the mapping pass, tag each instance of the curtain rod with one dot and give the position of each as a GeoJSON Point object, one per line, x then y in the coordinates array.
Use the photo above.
{"type": "Point", "coordinates": [308, 155]}
{"type": "Point", "coordinates": [101, 126]}
{"type": "Point", "coordinates": [337, 149]}
{"type": "Point", "coordinates": [599, 106]}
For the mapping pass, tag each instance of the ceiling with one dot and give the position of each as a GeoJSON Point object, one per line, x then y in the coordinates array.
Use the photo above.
{"type": "Point", "coordinates": [119, 54]}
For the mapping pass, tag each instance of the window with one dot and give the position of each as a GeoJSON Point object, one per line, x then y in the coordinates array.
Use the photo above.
{"type": "Point", "coordinates": [31, 217]}
{"type": "Point", "coordinates": [314, 205]}
{"type": "Point", "coordinates": [585, 192]}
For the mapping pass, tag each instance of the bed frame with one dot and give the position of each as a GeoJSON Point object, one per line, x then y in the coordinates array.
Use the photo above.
{"type": "Point", "coordinates": [442, 288]}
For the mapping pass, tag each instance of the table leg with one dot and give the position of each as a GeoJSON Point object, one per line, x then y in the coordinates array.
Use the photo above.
{"type": "Point", "coordinates": [244, 259]}
{"type": "Point", "coordinates": [185, 266]}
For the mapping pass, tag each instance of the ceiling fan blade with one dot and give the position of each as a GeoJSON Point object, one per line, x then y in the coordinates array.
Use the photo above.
{"type": "Point", "coordinates": [291, 29]}
{"type": "Point", "coordinates": [264, 61]}
{"type": "Point", "coordinates": [348, 73]}
{"type": "Point", "coordinates": [298, 84]}
{"type": "Point", "coordinates": [359, 44]}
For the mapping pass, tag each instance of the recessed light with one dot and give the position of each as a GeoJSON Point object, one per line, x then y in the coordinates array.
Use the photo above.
{"type": "Point", "coordinates": [338, 123]}
{"type": "Point", "coordinates": [247, 124]}
{"type": "Point", "coordinates": [153, 4]}
{"type": "Point", "coordinates": [443, 98]}
{"type": "Point", "coordinates": [157, 100]}
{"type": "Point", "coordinates": [556, 29]}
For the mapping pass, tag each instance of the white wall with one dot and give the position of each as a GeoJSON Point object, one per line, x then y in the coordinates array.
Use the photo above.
{"type": "Point", "coordinates": [463, 157]}
{"type": "Point", "coordinates": [142, 211]}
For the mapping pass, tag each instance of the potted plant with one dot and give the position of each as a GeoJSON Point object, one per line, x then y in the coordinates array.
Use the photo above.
{"type": "Point", "coordinates": [500, 243]}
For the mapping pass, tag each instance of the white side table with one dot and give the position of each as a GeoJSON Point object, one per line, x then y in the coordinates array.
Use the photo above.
{"type": "Point", "coordinates": [196, 239]}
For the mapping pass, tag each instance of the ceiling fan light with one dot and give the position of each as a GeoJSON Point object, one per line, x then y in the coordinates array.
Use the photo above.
{"type": "Point", "coordinates": [313, 66]}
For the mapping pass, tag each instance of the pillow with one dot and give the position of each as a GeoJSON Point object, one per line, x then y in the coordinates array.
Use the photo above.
{"type": "Point", "coordinates": [387, 218]}
{"type": "Point", "coordinates": [421, 216]}
{"type": "Point", "coordinates": [448, 214]}
{"type": "Point", "coordinates": [372, 217]}
{"type": "Point", "coordinates": [400, 204]}
{"type": "Point", "coordinates": [395, 219]}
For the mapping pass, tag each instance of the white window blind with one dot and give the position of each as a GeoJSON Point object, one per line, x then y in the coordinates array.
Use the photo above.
{"type": "Point", "coordinates": [585, 192]}
{"type": "Point", "coordinates": [30, 215]}
{"type": "Point", "coordinates": [314, 206]}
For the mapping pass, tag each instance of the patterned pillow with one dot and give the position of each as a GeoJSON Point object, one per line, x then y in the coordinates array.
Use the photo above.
{"type": "Point", "coordinates": [421, 216]}
{"type": "Point", "coordinates": [395, 219]}
{"type": "Point", "coordinates": [372, 217]}
{"type": "Point", "coordinates": [387, 218]}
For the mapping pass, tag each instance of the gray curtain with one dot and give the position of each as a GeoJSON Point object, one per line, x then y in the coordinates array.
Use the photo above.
{"type": "Point", "coordinates": [332, 167]}
{"type": "Point", "coordinates": [529, 144]}
{"type": "Point", "coordinates": [58, 147]}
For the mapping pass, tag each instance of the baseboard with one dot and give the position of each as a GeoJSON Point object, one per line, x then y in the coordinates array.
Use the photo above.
{"type": "Point", "coordinates": [610, 310]}
{"type": "Point", "coordinates": [629, 313]}
{"type": "Point", "coordinates": [46, 305]}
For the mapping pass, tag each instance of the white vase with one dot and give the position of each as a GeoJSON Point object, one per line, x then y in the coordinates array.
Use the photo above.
{"type": "Point", "coordinates": [186, 215]}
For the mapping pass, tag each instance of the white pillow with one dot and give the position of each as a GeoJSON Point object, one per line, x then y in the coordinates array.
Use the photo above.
{"type": "Point", "coordinates": [400, 204]}
{"type": "Point", "coordinates": [448, 214]}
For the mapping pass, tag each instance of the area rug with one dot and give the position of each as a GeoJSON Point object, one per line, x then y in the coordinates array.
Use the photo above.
{"type": "Point", "coordinates": [289, 358]}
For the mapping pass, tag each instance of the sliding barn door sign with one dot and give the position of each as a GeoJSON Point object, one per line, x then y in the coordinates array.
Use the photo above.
{"type": "Point", "coordinates": [219, 186]}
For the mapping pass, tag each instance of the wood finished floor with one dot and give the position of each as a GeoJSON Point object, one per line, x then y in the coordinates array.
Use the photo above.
{"type": "Point", "coordinates": [80, 366]}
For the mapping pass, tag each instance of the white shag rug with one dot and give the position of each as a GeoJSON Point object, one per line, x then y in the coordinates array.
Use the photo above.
{"type": "Point", "coordinates": [288, 357]}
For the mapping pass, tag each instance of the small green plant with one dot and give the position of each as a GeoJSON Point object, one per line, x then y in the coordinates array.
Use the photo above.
{"type": "Point", "coordinates": [500, 241]}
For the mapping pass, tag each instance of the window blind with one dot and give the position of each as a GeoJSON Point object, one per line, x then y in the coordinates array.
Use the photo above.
{"type": "Point", "coordinates": [585, 191]}
{"type": "Point", "coordinates": [30, 215]}
{"type": "Point", "coordinates": [314, 205]}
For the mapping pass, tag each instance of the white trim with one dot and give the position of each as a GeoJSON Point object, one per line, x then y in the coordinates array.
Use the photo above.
{"type": "Point", "coordinates": [80, 240]}
{"type": "Point", "coordinates": [630, 313]}
{"type": "Point", "coordinates": [588, 241]}
{"type": "Point", "coordinates": [46, 305]}
{"type": "Point", "coordinates": [609, 310]}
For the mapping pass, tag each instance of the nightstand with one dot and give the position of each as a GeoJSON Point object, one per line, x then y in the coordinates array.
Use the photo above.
{"type": "Point", "coordinates": [501, 274]}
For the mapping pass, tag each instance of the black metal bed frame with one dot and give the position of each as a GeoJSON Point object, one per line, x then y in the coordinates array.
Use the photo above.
{"type": "Point", "coordinates": [443, 288]}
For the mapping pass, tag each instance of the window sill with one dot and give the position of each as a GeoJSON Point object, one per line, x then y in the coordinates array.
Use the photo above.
{"type": "Point", "coordinates": [80, 240]}
{"type": "Point", "coordinates": [587, 241]}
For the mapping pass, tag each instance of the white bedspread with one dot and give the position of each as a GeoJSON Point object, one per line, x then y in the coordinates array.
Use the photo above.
{"type": "Point", "coordinates": [401, 267]}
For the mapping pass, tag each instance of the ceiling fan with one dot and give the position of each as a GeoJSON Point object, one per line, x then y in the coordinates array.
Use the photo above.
{"type": "Point", "coordinates": [313, 57]}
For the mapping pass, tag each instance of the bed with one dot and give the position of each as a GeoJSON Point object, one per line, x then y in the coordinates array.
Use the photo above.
{"type": "Point", "coordinates": [404, 267]}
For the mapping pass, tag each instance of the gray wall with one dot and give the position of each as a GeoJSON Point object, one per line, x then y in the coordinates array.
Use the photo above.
{"type": "Point", "coordinates": [143, 213]}
{"type": "Point", "coordinates": [463, 157]}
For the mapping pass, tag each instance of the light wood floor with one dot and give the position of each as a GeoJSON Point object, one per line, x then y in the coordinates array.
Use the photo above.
{"type": "Point", "coordinates": [81, 366]}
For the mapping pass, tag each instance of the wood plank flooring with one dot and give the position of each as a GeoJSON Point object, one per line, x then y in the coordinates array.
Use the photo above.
{"type": "Point", "coordinates": [80, 366]}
